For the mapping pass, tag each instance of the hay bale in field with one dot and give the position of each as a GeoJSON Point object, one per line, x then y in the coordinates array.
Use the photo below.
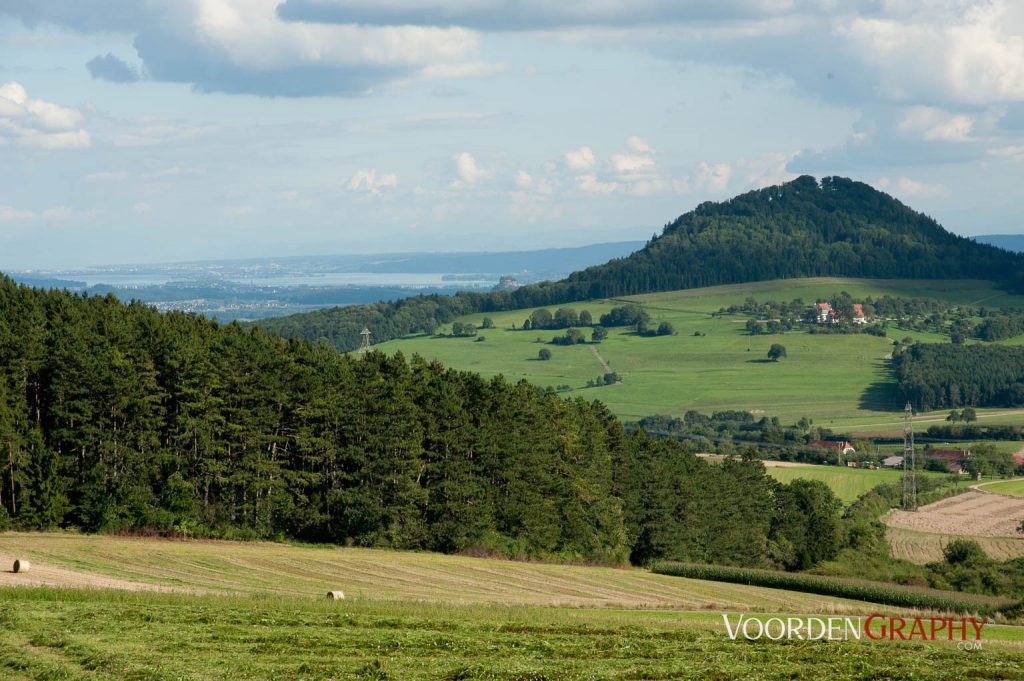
{"type": "Point", "coordinates": [21, 566]}
{"type": "Point", "coordinates": [335, 595]}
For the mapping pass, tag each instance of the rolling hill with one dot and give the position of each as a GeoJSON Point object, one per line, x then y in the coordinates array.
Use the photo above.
{"type": "Point", "coordinates": [841, 381]}
{"type": "Point", "coordinates": [804, 228]}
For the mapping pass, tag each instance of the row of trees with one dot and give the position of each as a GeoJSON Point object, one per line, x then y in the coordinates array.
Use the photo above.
{"type": "Point", "coordinates": [115, 417]}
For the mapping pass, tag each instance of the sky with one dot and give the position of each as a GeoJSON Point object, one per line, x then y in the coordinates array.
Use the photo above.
{"type": "Point", "coordinates": [163, 130]}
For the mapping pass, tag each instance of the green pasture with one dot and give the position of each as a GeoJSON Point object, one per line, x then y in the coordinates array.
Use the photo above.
{"type": "Point", "coordinates": [50, 634]}
{"type": "Point", "coordinates": [846, 483]}
{"type": "Point", "coordinates": [840, 381]}
{"type": "Point", "coordinates": [1012, 487]}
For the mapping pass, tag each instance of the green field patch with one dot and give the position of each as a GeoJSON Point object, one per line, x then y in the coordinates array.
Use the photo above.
{"type": "Point", "coordinates": [1011, 487]}
{"type": "Point", "coordinates": [712, 363]}
{"type": "Point", "coordinates": [110, 635]}
{"type": "Point", "coordinates": [847, 483]}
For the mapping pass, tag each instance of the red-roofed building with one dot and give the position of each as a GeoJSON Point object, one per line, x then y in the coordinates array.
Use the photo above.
{"type": "Point", "coordinates": [858, 314]}
{"type": "Point", "coordinates": [953, 458]}
{"type": "Point", "coordinates": [825, 315]}
{"type": "Point", "coordinates": [841, 446]}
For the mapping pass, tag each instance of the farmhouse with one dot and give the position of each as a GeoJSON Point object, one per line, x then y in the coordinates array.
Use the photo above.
{"type": "Point", "coordinates": [826, 314]}
{"type": "Point", "coordinates": [953, 458]}
{"type": "Point", "coordinates": [841, 446]}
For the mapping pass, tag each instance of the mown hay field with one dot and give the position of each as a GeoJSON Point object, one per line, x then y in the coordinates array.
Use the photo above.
{"type": "Point", "coordinates": [372, 574]}
{"type": "Point", "coordinates": [87, 634]}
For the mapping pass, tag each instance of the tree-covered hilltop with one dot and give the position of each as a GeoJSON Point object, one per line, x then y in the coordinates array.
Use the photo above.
{"type": "Point", "coordinates": [115, 417]}
{"type": "Point", "coordinates": [838, 228]}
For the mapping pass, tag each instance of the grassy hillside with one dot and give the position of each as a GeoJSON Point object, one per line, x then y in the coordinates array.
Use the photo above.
{"type": "Point", "coordinates": [840, 381]}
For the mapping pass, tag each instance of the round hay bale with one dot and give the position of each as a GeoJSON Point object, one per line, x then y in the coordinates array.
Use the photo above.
{"type": "Point", "coordinates": [335, 595]}
{"type": "Point", "coordinates": [21, 566]}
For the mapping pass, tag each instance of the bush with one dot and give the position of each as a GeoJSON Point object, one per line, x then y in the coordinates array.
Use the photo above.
{"type": "Point", "coordinates": [5, 520]}
{"type": "Point", "coordinates": [544, 354]}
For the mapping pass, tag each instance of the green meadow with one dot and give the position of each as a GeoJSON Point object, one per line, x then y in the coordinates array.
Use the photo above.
{"type": "Point", "coordinates": [1011, 487]}
{"type": "Point", "coordinates": [50, 634]}
{"type": "Point", "coordinates": [241, 611]}
{"type": "Point", "coordinates": [847, 483]}
{"type": "Point", "coordinates": [840, 381]}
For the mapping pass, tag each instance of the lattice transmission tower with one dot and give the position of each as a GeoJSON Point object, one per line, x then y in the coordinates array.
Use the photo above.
{"type": "Point", "coordinates": [909, 461]}
{"type": "Point", "coordinates": [365, 333]}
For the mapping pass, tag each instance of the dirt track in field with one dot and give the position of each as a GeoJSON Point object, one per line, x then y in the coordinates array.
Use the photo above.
{"type": "Point", "coordinates": [974, 513]}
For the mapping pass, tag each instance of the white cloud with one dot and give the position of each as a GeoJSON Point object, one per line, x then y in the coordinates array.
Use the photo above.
{"type": "Point", "coordinates": [38, 124]}
{"type": "Point", "coordinates": [580, 159]}
{"type": "Point", "coordinates": [107, 176]}
{"type": "Point", "coordinates": [907, 188]}
{"type": "Point", "coordinates": [142, 207]}
{"type": "Point", "coordinates": [10, 213]}
{"type": "Point", "coordinates": [627, 164]}
{"type": "Point", "coordinates": [244, 46]}
{"type": "Point", "coordinates": [152, 134]}
{"type": "Point", "coordinates": [367, 180]}
{"type": "Point", "coordinates": [1013, 151]}
{"type": "Point", "coordinates": [468, 171]}
{"type": "Point", "coordinates": [767, 170]}
{"type": "Point", "coordinates": [464, 70]}
{"type": "Point", "coordinates": [932, 124]}
{"type": "Point", "coordinates": [713, 177]}
{"type": "Point", "coordinates": [590, 183]}
{"type": "Point", "coordinates": [57, 213]}
{"type": "Point", "coordinates": [969, 52]}
{"type": "Point", "coordinates": [639, 145]}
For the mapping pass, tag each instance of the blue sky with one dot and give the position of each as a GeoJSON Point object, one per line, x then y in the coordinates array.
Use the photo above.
{"type": "Point", "coordinates": [156, 130]}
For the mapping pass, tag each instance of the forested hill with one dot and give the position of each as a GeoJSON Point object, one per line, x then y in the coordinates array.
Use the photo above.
{"type": "Point", "coordinates": [803, 228]}
{"type": "Point", "coordinates": [115, 417]}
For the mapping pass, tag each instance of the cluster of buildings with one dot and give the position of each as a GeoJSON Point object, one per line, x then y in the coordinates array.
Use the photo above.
{"type": "Point", "coordinates": [826, 314]}
{"type": "Point", "coordinates": [954, 459]}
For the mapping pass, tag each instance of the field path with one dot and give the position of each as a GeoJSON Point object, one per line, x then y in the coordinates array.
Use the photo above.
{"type": "Point", "coordinates": [607, 369]}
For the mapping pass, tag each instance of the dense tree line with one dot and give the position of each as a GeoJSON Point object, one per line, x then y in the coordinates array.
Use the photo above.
{"type": "Point", "coordinates": [803, 228]}
{"type": "Point", "coordinates": [115, 417]}
{"type": "Point", "coordinates": [939, 375]}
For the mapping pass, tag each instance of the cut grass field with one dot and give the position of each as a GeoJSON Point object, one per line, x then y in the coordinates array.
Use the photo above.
{"type": "Point", "coordinates": [840, 381]}
{"type": "Point", "coordinates": [988, 518]}
{"type": "Point", "coordinates": [927, 547]}
{"type": "Point", "coordinates": [257, 611]}
{"type": "Point", "coordinates": [49, 634]}
{"type": "Point", "coordinates": [371, 574]}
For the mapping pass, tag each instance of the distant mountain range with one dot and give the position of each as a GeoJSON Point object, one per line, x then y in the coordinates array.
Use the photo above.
{"type": "Point", "coordinates": [1010, 242]}
{"type": "Point", "coordinates": [804, 228]}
